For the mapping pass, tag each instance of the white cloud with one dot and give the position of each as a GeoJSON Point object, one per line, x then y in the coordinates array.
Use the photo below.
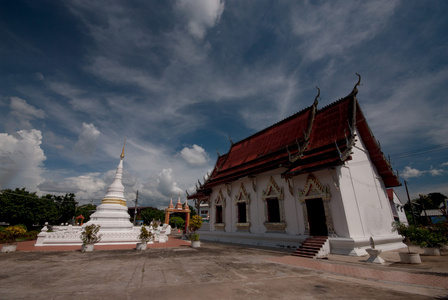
{"type": "Point", "coordinates": [21, 159]}
{"type": "Point", "coordinates": [201, 14]}
{"type": "Point", "coordinates": [410, 172]}
{"type": "Point", "coordinates": [39, 76]}
{"type": "Point", "coordinates": [21, 114]}
{"type": "Point", "coordinates": [195, 156]}
{"type": "Point", "coordinates": [166, 184]}
{"type": "Point", "coordinates": [445, 164]}
{"type": "Point", "coordinates": [20, 108]}
{"type": "Point", "coordinates": [88, 139]}
{"type": "Point", "coordinates": [88, 188]}
{"type": "Point", "coordinates": [409, 98]}
{"type": "Point", "coordinates": [436, 172]}
{"type": "Point", "coordinates": [336, 26]}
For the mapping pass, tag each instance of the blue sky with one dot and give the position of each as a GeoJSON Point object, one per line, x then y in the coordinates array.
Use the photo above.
{"type": "Point", "coordinates": [178, 77]}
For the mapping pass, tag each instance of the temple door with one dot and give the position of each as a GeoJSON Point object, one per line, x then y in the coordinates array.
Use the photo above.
{"type": "Point", "coordinates": [316, 217]}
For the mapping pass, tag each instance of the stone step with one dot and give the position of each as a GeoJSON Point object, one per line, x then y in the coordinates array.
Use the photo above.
{"type": "Point", "coordinates": [205, 227]}
{"type": "Point", "coordinates": [314, 243]}
{"type": "Point", "coordinates": [303, 255]}
{"type": "Point", "coordinates": [310, 247]}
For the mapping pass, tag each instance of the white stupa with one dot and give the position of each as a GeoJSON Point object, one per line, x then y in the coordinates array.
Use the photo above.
{"type": "Point", "coordinates": [112, 214]}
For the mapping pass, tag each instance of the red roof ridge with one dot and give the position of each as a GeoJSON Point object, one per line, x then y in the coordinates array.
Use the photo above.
{"type": "Point", "coordinates": [271, 126]}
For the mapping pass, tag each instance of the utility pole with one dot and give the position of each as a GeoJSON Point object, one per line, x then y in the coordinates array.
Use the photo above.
{"type": "Point", "coordinates": [136, 203]}
{"type": "Point", "coordinates": [410, 203]}
{"type": "Point", "coordinates": [424, 209]}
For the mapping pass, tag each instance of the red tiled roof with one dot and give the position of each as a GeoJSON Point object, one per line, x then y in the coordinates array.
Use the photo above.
{"type": "Point", "coordinates": [266, 150]}
{"type": "Point", "coordinates": [267, 141]}
{"type": "Point", "coordinates": [390, 194]}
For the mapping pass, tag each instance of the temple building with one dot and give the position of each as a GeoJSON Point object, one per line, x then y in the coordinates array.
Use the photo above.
{"type": "Point", "coordinates": [319, 172]}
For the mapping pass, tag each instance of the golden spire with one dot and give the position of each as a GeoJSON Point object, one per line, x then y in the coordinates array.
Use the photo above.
{"type": "Point", "coordinates": [122, 152]}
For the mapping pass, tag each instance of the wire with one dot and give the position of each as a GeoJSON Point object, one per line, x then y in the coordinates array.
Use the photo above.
{"type": "Point", "coordinates": [420, 151]}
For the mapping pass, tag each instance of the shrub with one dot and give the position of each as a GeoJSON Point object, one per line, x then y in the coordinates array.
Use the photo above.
{"type": "Point", "coordinates": [89, 234]}
{"type": "Point", "coordinates": [194, 237]}
{"type": "Point", "coordinates": [154, 224]}
{"type": "Point", "coordinates": [423, 236]}
{"type": "Point", "coordinates": [12, 233]}
{"type": "Point", "coordinates": [195, 223]}
{"type": "Point", "coordinates": [28, 236]}
{"type": "Point", "coordinates": [145, 235]}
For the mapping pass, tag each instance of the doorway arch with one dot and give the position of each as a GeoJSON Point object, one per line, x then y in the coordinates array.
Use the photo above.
{"type": "Point", "coordinates": [315, 201]}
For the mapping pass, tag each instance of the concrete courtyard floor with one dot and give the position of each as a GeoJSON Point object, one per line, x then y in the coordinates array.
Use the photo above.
{"type": "Point", "coordinates": [214, 271]}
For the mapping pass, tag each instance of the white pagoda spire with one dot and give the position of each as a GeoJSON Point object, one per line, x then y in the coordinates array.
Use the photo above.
{"type": "Point", "coordinates": [113, 214]}
{"type": "Point", "coordinates": [116, 189]}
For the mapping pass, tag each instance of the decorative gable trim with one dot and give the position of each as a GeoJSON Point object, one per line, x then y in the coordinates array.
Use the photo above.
{"type": "Point", "coordinates": [229, 189]}
{"type": "Point", "coordinates": [273, 190]}
{"type": "Point", "coordinates": [220, 200]}
{"type": "Point", "coordinates": [242, 195]}
{"type": "Point", "coordinates": [314, 189]}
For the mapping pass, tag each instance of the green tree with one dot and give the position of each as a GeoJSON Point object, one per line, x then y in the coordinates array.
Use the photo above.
{"type": "Point", "coordinates": [430, 201]}
{"type": "Point", "coordinates": [152, 213]}
{"type": "Point", "coordinates": [22, 207]}
{"type": "Point", "coordinates": [85, 210]}
{"type": "Point", "coordinates": [177, 222]}
{"type": "Point", "coordinates": [66, 207]}
{"type": "Point", "coordinates": [422, 203]}
{"type": "Point", "coordinates": [193, 211]}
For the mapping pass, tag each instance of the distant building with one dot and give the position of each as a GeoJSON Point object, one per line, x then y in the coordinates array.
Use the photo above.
{"type": "Point", "coordinates": [204, 211]}
{"type": "Point", "coordinates": [397, 207]}
{"type": "Point", "coordinates": [319, 172]}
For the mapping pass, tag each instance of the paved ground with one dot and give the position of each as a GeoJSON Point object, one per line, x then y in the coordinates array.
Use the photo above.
{"type": "Point", "coordinates": [214, 271]}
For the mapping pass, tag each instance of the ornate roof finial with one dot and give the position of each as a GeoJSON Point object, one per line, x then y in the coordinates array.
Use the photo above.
{"type": "Point", "coordinates": [318, 96]}
{"type": "Point", "coordinates": [230, 139]}
{"type": "Point", "coordinates": [122, 152]}
{"type": "Point", "coordinates": [217, 151]}
{"type": "Point", "coordinates": [355, 89]}
{"type": "Point", "coordinates": [178, 204]}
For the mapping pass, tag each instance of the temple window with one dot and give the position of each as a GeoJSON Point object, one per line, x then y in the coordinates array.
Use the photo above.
{"type": "Point", "coordinates": [273, 207]}
{"type": "Point", "coordinates": [219, 204]}
{"type": "Point", "coordinates": [273, 210]}
{"type": "Point", "coordinates": [242, 213]}
{"type": "Point", "coordinates": [218, 214]}
{"type": "Point", "coordinates": [242, 201]}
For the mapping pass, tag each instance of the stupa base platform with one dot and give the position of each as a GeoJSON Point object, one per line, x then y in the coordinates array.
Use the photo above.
{"type": "Point", "coordinates": [71, 236]}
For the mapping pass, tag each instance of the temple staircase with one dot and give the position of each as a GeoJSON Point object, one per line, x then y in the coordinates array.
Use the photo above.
{"type": "Point", "coordinates": [311, 247]}
{"type": "Point", "coordinates": [205, 226]}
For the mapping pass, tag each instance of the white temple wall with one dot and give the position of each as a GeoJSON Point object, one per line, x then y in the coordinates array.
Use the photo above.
{"type": "Point", "coordinates": [212, 212]}
{"type": "Point", "coordinates": [364, 194]}
{"type": "Point", "coordinates": [331, 178]}
{"type": "Point", "coordinates": [291, 211]}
